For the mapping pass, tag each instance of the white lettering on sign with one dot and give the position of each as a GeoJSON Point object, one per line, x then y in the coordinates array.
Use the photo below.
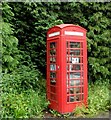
{"type": "Point", "coordinates": [75, 60]}
{"type": "Point", "coordinates": [54, 34]}
{"type": "Point", "coordinates": [74, 33]}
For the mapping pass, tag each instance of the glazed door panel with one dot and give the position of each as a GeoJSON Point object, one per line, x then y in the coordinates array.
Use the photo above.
{"type": "Point", "coordinates": [75, 75]}
{"type": "Point", "coordinates": [52, 75]}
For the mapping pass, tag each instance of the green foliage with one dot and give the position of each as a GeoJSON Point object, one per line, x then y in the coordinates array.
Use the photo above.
{"type": "Point", "coordinates": [99, 41]}
{"type": "Point", "coordinates": [31, 28]}
{"type": "Point", "coordinates": [24, 105]}
{"type": "Point", "coordinates": [9, 48]}
{"type": "Point", "coordinates": [95, 17]}
{"type": "Point", "coordinates": [98, 100]}
{"type": "Point", "coordinates": [7, 13]}
{"type": "Point", "coordinates": [31, 32]}
{"type": "Point", "coordinates": [23, 93]}
{"type": "Point", "coordinates": [22, 79]}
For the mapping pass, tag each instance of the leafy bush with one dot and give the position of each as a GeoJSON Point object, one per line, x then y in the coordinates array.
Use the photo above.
{"type": "Point", "coordinates": [31, 32]}
{"type": "Point", "coordinates": [23, 93]}
{"type": "Point", "coordinates": [9, 48]}
{"type": "Point", "coordinates": [24, 105]}
{"type": "Point", "coordinates": [96, 20]}
{"type": "Point", "coordinates": [22, 79]}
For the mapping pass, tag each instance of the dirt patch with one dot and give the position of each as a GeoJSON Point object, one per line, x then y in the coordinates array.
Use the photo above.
{"type": "Point", "coordinates": [103, 115]}
{"type": "Point", "coordinates": [48, 114]}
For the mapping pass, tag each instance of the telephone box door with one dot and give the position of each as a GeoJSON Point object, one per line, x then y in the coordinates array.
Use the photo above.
{"type": "Point", "coordinates": [52, 74]}
{"type": "Point", "coordinates": [75, 81]}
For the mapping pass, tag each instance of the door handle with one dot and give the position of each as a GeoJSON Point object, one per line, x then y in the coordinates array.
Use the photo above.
{"type": "Point", "coordinates": [58, 67]}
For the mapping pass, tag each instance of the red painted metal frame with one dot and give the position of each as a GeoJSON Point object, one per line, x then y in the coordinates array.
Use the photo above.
{"type": "Point", "coordinates": [60, 88]}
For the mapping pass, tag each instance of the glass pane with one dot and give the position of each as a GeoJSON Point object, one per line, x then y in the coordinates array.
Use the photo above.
{"type": "Point", "coordinates": [82, 97]}
{"type": "Point", "coordinates": [52, 81]}
{"type": "Point", "coordinates": [74, 52]}
{"type": "Point", "coordinates": [67, 76]}
{"type": "Point", "coordinates": [52, 45]}
{"type": "Point", "coordinates": [75, 90]}
{"type": "Point", "coordinates": [74, 75]}
{"type": "Point", "coordinates": [82, 89]}
{"type": "Point", "coordinates": [78, 98]}
{"type": "Point", "coordinates": [74, 67]}
{"type": "Point", "coordinates": [74, 45]}
{"type": "Point", "coordinates": [75, 60]}
{"type": "Point", "coordinates": [69, 59]}
{"type": "Point", "coordinates": [67, 98]}
{"type": "Point", "coordinates": [52, 67]}
{"type": "Point", "coordinates": [82, 82]}
{"type": "Point", "coordinates": [52, 52]}
{"type": "Point", "coordinates": [52, 75]}
{"type": "Point", "coordinates": [74, 82]}
{"type": "Point", "coordinates": [72, 98]}
{"type": "Point", "coordinates": [52, 60]}
{"type": "Point", "coordinates": [67, 67]}
{"type": "Point", "coordinates": [67, 44]}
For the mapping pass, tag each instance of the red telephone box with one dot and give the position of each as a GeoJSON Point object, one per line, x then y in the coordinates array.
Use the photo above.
{"type": "Point", "coordinates": [66, 67]}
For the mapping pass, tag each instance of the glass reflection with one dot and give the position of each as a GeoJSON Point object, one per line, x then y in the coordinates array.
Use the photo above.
{"type": "Point", "coordinates": [75, 90]}
{"type": "Point", "coordinates": [52, 45]}
{"type": "Point", "coordinates": [74, 75]}
{"type": "Point", "coordinates": [52, 75]}
{"type": "Point", "coordinates": [78, 98]}
{"type": "Point", "coordinates": [74, 52]}
{"type": "Point", "coordinates": [74, 44]}
{"type": "Point", "coordinates": [52, 59]}
{"type": "Point", "coordinates": [52, 81]}
{"type": "Point", "coordinates": [52, 67]}
{"type": "Point", "coordinates": [74, 67]}
{"type": "Point", "coordinates": [52, 52]}
{"type": "Point", "coordinates": [73, 98]}
{"type": "Point", "coordinates": [74, 82]}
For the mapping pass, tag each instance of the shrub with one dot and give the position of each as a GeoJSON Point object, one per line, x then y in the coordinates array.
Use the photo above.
{"type": "Point", "coordinates": [23, 93]}
{"type": "Point", "coordinates": [23, 78]}
{"type": "Point", "coordinates": [9, 49]}
{"type": "Point", "coordinates": [24, 105]}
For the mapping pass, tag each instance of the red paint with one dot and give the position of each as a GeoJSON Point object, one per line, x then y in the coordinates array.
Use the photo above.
{"type": "Point", "coordinates": [67, 85]}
